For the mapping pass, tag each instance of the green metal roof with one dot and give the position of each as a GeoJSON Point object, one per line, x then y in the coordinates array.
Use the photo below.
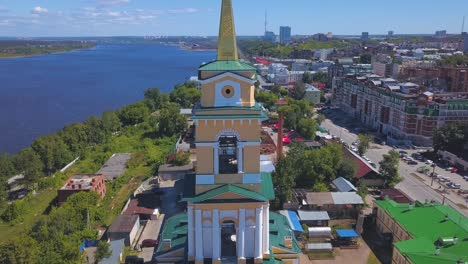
{"type": "Point", "coordinates": [175, 229]}
{"type": "Point", "coordinates": [230, 65]}
{"type": "Point", "coordinates": [261, 116]}
{"type": "Point", "coordinates": [267, 191]}
{"type": "Point", "coordinates": [279, 228]}
{"type": "Point", "coordinates": [426, 224]}
{"type": "Point", "coordinates": [229, 188]}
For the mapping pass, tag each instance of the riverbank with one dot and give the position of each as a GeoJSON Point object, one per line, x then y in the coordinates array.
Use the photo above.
{"type": "Point", "coordinates": [17, 56]}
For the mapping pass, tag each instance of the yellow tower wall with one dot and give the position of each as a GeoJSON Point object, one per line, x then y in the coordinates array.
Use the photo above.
{"type": "Point", "coordinates": [209, 92]}
{"type": "Point", "coordinates": [207, 132]}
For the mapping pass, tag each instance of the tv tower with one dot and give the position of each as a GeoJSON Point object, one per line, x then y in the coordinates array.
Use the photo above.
{"type": "Point", "coordinates": [266, 20]}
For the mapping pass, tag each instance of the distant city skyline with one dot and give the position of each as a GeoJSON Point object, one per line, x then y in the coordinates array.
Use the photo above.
{"type": "Point", "coordinates": [30, 18]}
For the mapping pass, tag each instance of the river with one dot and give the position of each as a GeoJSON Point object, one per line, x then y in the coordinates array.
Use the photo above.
{"type": "Point", "coordinates": [39, 95]}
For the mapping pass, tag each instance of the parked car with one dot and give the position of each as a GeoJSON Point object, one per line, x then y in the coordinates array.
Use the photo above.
{"type": "Point", "coordinates": [412, 162]}
{"type": "Point", "coordinates": [454, 170]}
{"type": "Point", "coordinates": [403, 153]}
{"type": "Point", "coordinates": [366, 158]}
{"type": "Point", "coordinates": [429, 162]}
{"type": "Point", "coordinates": [148, 243]}
{"type": "Point", "coordinates": [454, 185]}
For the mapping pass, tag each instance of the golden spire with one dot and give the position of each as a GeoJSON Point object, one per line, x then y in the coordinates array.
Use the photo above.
{"type": "Point", "coordinates": [227, 46]}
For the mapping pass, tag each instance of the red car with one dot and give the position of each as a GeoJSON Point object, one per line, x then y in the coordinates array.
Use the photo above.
{"type": "Point", "coordinates": [148, 243]}
{"type": "Point", "coordinates": [454, 170]}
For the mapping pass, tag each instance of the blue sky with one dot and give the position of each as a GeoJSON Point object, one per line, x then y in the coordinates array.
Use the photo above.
{"type": "Point", "coordinates": [200, 17]}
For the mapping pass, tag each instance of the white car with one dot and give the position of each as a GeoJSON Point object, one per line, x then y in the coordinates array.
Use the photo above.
{"type": "Point", "coordinates": [354, 149]}
{"type": "Point", "coordinates": [366, 158]}
{"type": "Point", "coordinates": [429, 162]}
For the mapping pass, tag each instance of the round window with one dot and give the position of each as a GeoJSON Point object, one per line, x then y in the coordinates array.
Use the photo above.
{"type": "Point", "coordinates": [228, 91]}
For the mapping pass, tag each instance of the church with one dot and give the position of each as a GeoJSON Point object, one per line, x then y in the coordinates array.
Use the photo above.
{"type": "Point", "coordinates": [228, 217]}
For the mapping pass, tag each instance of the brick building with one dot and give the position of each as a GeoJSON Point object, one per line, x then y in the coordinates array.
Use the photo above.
{"type": "Point", "coordinates": [401, 111]}
{"type": "Point", "coordinates": [82, 183]}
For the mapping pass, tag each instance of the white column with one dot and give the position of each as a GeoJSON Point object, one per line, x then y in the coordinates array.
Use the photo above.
{"type": "Point", "coordinates": [216, 236]}
{"type": "Point", "coordinates": [240, 159]}
{"type": "Point", "coordinates": [191, 245]}
{"type": "Point", "coordinates": [241, 235]}
{"type": "Point", "coordinates": [258, 233]}
{"type": "Point", "coordinates": [216, 159]}
{"type": "Point", "coordinates": [266, 229]}
{"type": "Point", "coordinates": [198, 236]}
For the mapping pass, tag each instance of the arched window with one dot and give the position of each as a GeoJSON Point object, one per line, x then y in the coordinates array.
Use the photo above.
{"type": "Point", "coordinates": [228, 158]}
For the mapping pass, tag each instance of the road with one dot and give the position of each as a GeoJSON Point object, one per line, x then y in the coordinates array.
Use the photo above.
{"type": "Point", "coordinates": [414, 184]}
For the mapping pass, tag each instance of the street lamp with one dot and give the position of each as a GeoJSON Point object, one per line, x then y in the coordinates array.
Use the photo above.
{"type": "Point", "coordinates": [433, 173]}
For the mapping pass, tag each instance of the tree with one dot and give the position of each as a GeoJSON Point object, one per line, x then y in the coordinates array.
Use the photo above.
{"type": "Point", "coordinates": [283, 181]}
{"type": "Point", "coordinates": [365, 58]}
{"type": "Point", "coordinates": [170, 121]}
{"type": "Point", "coordinates": [320, 118]}
{"type": "Point", "coordinates": [299, 90]}
{"type": "Point", "coordinates": [307, 128]}
{"type": "Point", "coordinates": [307, 77]}
{"type": "Point", "coordinates": [53, 152]}
{"type": "Point", "coordinates": [96, 132]}
{"type": "Point", "coordinates": [389, 168]}
{"type": "Point", "coordinates": [320, 77]}
{"type": "Point", "coordinates": [153, 98]}
{"type": "Point", "coordinates": [29, 163]}
{"type": "Point", "coordinates": [346, 170]}
{"type": "Point", "coordinates": [111, 122]}
{"type": "Point", "coordinates": [76, 138]}
{"type": "Point", "coordinates": [364, 143]}
{"type": "Point", "coordinates": [257, 85]}
{"type": "Point", "coordinates": [268, 99]}
{"type": "Point", "coordinates": [7, 167]}
{"type": "Point", "coordinates": [185, 96]}
{"type": "Point", "coordinates": [20, 249]}
{"type": "Point", "coordinates": [320, 187]}
{"type": "Point", "coordinates": [11, 213]}
{"type": "Point", "coordinates": [276, 89]}
{"type": "Point", "coordinates": [181, 158]}
{"type": "Point", "coordinates": [451, 137]}
{"type": "Point", "coordinates": [134, 114]}
{"type": "Point", "coordinates": [103, 251]}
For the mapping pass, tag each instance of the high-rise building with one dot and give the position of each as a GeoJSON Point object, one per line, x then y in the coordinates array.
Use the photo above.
{"type": "Point", "coordinates": [365, 36]}
{"type": "Point", "coordinates": [269, 36]}
{"type": "Point", "coordinates": [285, 35]}
{"type": "Point", "coordinates": [465, 42]}
{"type": "Point", "coordinates": [228, 218]}
{"type": "Point", "coordinates": [441, 33]}
{"type": "Point", "coordinates": [390, 33]}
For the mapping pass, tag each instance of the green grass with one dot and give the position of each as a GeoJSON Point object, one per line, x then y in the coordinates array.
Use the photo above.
{"type": "Point", "coordinates": [131, 140]}
{"type": "Point", "coordinates": [34, 208]}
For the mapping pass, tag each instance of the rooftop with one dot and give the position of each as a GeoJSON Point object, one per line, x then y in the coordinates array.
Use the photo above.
{"type": "Point", "coordinates": [229, 65]}
{"type": "Point", "coordinates": [343, 185]}
{"type": "Point", "coordinates": [313, 215]}
{"type": "Point", "coordinates": [334, 198]}
{"type": "Point", "coordinates": [427, 223]}
{"type": "Point", "coordinates": [81, 182]}
{"type": "Point", "coordinates": [175, 229]}
{"type": "Point", "coordinates": [115, 166]}
{"type": "Point", "coordinates": [123, 223]}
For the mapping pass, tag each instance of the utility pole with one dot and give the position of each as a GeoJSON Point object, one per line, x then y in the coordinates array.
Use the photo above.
{"type": "Point", "coordinates": [463, 25]}
{"type": "Point", "coordinates": [433, 173]}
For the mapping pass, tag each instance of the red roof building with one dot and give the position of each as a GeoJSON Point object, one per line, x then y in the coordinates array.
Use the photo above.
{"type": "Point", "coordinates": [82, 183]}
{"type": "Point", "coordinates": [364, 171]}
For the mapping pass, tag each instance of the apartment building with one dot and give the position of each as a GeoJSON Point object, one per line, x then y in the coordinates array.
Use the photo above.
{"type": "Point", "coordinates": [423, 233]}
{"type": "Point", "coordinates": [401, 111]}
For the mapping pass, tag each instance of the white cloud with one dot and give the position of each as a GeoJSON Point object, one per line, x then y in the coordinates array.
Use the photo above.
{"type": "Point", "coordinates": [39, 10]}
{"type": "Point", "coordinates": [188, 10]}
{"type": "Point", "coordinates": [112, 2]}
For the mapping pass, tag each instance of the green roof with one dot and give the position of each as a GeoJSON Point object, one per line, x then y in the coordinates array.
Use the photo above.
{"type": "Point", "coordinates": [231, 65]}
{"type": "Point", "coordinates": [279, 228]}
{"type": "Point", "coordinates": [267, 191]}
{"type": "Point", "coordinates": [426, 224]}
{"type": "Point", "coordinates": [229, 188]}
{"type": "Point", "coordinates": [175, 229]}
{"type": "Point", "coordinates": [261, 116]}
